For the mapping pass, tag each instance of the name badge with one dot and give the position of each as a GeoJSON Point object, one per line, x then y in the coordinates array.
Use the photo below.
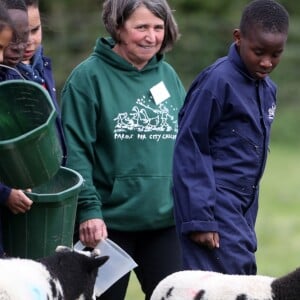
{"type": "Point", "coordinates": [159, 93]}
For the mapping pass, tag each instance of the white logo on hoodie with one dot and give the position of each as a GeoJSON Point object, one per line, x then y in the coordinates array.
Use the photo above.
{"type": "Point", "coordinates": [144, 118]}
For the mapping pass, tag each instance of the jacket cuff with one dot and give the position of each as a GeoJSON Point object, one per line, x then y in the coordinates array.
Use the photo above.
{"type": "Point", "coordinates": [94, 212]}
{"type": "Point", "coordinates": [4, 193]}
{"type": "Point", "coordinates": [204, 226]}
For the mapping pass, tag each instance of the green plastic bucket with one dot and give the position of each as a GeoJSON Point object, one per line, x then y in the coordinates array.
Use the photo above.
{"type": "Point", "coordinates": [30, 152]}
{"type": "Point", "coordinates": [50, 221]}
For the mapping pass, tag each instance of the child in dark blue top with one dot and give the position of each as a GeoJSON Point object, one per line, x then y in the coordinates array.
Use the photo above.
{"type": "Point", "coordinates": [37, 67]}
{"type": "Point", "coordinates": [222, 145]}
{"type": "Point", "coordinates": [16, 200]}
{"type": "Point", "coordinates": [33, 66]}
{"type": "Point", "coordinates": [6, 34]}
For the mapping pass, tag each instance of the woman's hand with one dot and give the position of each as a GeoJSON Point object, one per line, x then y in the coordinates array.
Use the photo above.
{"type": "Point", "coordinates": [91, 232]}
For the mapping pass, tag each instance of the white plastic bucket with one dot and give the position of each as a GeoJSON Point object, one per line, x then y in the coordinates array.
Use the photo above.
{"type": "Point", "coordinates": [118, 264]}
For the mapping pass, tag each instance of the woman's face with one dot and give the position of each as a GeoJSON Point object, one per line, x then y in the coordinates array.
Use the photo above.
{"type": "Point", "coordinates": [13, 54]}
{"type": "Point", "coordinates": [5, 38]}
{"type": "Point", "coordinates": [140, 37]}
{"type": "Point", "coordinates": [35, 33]}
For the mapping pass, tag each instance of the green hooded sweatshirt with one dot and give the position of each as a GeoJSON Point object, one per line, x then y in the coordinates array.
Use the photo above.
{"type": "Point", "coordinates": [120, 125]}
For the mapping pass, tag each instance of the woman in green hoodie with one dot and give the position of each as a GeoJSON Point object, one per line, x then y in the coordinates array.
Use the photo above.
{"type": "Point", "coordinates": [119, 110]}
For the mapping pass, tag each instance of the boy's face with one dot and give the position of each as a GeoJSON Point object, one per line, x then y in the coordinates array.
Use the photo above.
{"type": "Point", "coordinates": [13, 54]}
{"type": "Point", "coordinates": [260, 51]}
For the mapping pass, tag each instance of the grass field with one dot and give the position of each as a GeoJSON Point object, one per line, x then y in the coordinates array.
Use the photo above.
{"type": "Point", "coordinates": [278, 223]}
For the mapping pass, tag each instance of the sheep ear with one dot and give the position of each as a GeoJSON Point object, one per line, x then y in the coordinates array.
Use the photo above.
{"type": "Point", "coordinates": [63, 249]}
{"type": "Point", "coordinates": [101, 260]}
{"type": "Point", "coordinates": [97, 262]}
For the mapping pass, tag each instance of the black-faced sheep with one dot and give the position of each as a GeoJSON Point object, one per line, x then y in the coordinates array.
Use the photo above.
{"type": "Point", "coordinates": [65, 275]}
{"type": "Point", "coordinates": [204, 285]}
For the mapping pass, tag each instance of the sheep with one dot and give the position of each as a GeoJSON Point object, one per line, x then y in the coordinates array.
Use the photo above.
{"type": "Point", "coordinates": [207, 285]}
{"type": "Point", "coordinates": [65, 275]}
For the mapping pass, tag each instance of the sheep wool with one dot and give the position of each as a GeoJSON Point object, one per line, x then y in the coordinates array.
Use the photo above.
{"type": "Point", "coordinates": [25, 279]}
{"type": "Point", "coordinates": [205, 285]}
{"type": "Point", "coordinates": [65, 275]}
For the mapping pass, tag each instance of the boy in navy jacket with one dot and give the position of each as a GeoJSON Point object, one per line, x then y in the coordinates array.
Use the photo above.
{"type": "Point", "coordinates": [222, 145]}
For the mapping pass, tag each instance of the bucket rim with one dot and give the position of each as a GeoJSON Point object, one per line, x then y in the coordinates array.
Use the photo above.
{"type": "Point", "coordinates": [52, 116]}
{"type": "Point", "coordinates": [74, 187]}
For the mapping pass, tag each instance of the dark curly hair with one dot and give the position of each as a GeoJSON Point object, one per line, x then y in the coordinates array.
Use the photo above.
{"type": "Point", "coordinates": [267, 14]}
{"type": "Point", "coordinates": [34, 3]}
{"type": "Point", "coordinates": [15, 4]}
{"type": "Point", "coordinates": [4, 17]}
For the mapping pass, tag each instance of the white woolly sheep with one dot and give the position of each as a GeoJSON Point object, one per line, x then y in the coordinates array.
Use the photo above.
{"type": "Point", "coordinates": [65, 275]}
{"type": "Point", "coordinates": [205, 285]}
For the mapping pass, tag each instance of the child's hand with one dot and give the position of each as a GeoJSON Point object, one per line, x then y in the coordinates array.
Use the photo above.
{"type": "Point", "coordinates": [18, 202]}
{"type": "Point", "coordinates": [206, 239]}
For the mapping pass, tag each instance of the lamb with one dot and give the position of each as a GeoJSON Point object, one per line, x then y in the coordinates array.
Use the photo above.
{"type": "Point", "coordinates": [206, 285]}
{"type": "Point", "coordinates": [65, 275]}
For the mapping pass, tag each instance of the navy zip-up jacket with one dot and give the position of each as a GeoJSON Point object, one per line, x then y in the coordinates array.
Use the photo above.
{"type": "Point", "coordinates": [221, 150]}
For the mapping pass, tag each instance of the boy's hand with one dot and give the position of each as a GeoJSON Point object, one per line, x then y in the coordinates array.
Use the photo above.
{"type": "Point", "coordinates": [207, 239]}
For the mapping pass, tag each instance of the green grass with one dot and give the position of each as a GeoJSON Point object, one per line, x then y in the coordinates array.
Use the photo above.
{"type": "Point", "coordinates": [278, 223]}
{"type": "Point", "coordinates": [134, 291]}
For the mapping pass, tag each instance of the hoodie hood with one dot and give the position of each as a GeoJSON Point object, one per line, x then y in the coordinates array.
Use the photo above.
{"type": "Point", "coordinates": [104, 47]}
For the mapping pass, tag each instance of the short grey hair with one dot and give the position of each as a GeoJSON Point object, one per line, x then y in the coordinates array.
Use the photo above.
{"type": "Point", "coordinates": [116, 12]}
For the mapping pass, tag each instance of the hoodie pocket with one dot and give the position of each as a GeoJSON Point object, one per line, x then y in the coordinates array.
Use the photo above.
{"type": "Point", "coordinates": [136, 192]}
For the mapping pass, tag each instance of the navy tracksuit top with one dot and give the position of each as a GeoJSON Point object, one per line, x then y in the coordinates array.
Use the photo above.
{"type": "Point", "coordinates": [220, 156]}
